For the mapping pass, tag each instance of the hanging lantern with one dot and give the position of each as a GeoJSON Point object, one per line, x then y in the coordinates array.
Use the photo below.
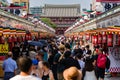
{"type": "Point", "coordinates": [26, 37]}
{"type": "Point", "coordinates": [87, 37]}
{"type": "Point", "coordinates": [2, 39]}
{"type": "Point", "coordinates": [99, 39]}
{"type": "Point", "coordinates": [80, 36]}
{"type": "Point", "coordinates": [118, 41]}
{"type": "Point", "coordinates": [104, 36]}
{"type": "Point", "coordinates": [95, 39]}
{"type": "Point", "coordinates": [18, 39]}
{"type": "Point", "coordinates": [82, 21]}
{"type": "Point", "coordinates": [23, 38]}
{"type": "Point", "coordinates": [110, 40]}
{"type": "Point", "coordinates": [15, 39]}
{"type": "Point", "coordinates": [10, 39]}
{"type": "Point", "coordinates": [86, 18]}
{"type": "Point", "coordinates": [29, 37]}
{"type": "Point", "coordinates": [75, 37]}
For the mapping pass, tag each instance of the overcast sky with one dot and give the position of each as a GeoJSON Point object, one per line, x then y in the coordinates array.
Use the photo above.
{"type": "Point", "coordinates": [84, 3]}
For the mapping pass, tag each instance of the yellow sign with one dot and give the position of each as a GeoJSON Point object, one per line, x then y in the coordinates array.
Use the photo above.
{"type": "Point", "coordinates": [4, 48]}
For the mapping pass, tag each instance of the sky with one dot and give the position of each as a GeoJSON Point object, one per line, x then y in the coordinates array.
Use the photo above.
{"type": "Point", "coordinates": [83, 3]}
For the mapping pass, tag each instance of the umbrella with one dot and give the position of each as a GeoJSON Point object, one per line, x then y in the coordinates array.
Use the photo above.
{"type": "Point", "coordinates": [36, 43]}
{"type": "Point", "coordinates": [44, 42]}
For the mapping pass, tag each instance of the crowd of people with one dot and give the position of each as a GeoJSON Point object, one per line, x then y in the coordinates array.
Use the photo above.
{"type": "Point", "coordinates": [58, 60]}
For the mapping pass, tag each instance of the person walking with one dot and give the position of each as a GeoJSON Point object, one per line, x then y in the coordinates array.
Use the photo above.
{"type": "Point", "coordinates": [58, 67]}
{"type": "Point", "coordinates": [9, 67]}
{"type": "Point", "coordinates": [100, 61]}
{"type": "Point", "coordinates": [16, 52]}
{"type": "Point", "coordinates": [47, 73]}
{"type": "Point", "coordinates": [81, 62]}
{"type": "Point", "coordinates": [88, 71]}
{"type": "Point", "coordinates": [69, 61]}
{"type": "Point", "coordinates": [87, 50]}
{"type": "Point", "coordinates": [25, 65]}
{"type": "Point", "coordinates": [76, 50]}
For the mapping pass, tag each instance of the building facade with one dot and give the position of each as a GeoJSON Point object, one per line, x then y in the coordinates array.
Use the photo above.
{"type": "Point", "coordinates": [104, 5]}
{"type": "Point", "coordinates": [36, 10]}
{"type": "Point", "coordinates": [24, 3]}
{"type": "Point", "coordinates": [62, 15]}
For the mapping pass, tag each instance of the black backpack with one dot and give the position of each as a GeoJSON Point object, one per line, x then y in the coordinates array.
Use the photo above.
{"type": "Point", "coordinates": [108, 63]}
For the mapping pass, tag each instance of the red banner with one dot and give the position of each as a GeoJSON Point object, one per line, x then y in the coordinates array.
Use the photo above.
{"type": "Point", "coordinates": [111, 1]}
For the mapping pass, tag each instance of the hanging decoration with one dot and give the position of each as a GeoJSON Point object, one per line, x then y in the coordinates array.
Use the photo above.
{"type": "Point", "coordinates": [110, 39]}
{"type": "Point", "coordinates": [99, 38]}
{"type": "Point", "coordinates": [104, 36]}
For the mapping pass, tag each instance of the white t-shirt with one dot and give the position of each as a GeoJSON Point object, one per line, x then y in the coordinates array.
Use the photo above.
{"type": "Point", "coordinates": [19, 77]}
{"type": "Point", "coordinates": [82, 64]}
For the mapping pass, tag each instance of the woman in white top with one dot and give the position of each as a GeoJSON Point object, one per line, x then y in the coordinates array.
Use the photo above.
{"type": "Point", "coordinates": [89, 70]}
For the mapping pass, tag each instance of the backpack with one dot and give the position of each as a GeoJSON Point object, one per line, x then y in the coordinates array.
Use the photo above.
{"type": "Point", "coordinates": [108, 63]}
{"type": "Point", "coordinates": [101, 61]}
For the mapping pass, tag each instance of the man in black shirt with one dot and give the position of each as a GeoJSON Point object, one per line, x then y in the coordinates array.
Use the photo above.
{"type": "Point", "coordinates": [69, 61]}
{"type": "Point", "coordinates": [15, 51]}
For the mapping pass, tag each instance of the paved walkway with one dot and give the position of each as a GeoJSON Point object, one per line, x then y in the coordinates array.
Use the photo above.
{"type": "Point", "coordinates": [113, 78]}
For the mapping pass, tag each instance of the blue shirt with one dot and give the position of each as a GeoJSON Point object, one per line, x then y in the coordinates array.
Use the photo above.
{"type": "Point", "coordinates": [45, 58]}
{"type": "Point", "coordinates": [9, 65]}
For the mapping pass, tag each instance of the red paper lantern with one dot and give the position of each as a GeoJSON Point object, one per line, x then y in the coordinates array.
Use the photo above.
{"type": "Point", "coordinates": [27, 37]}
{"type": "Point", "coordinates": [10, 39]}
{"type": "Point", "coordinates": [99, 39]}
{"type": "Point", "coordinates": [15, 39]}
{"type": "Point", "coordinates": [87, 37]}
{"type": "Point", "coordinates": [110, 40]}
{"type": "Point", "coordinates": [2, 40]}
{"type": "Point", "coordinates": [23, 38]}
{"type": "Point", "coordinates": [18, 39]}
{"type": "Point", "coordinates": [30, 37]}
{"type": "Point", "coordinates": [119, 39]}
{"type": "Point", "coordinates": [95, 39]}
{"type": "Point", "coordinates": [104, 36]}
{"type": "Point", "coordinates": [80, 36]}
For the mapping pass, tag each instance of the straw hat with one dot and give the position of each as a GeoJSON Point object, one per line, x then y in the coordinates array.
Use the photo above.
{"type": "Point", "coordinates": [72, 74]}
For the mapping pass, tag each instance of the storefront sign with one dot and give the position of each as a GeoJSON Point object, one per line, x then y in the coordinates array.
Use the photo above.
{"type": "Point", "coordinates": [108, 1]}
{"type": "Point", "coordinates": [4, 48]}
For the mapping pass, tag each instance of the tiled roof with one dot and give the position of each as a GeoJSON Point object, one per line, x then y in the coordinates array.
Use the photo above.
{"type": "Point", "coordinates": [72, 10]}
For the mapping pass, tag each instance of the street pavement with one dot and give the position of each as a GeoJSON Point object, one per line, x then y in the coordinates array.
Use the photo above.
{"type": "Point", "coordinates": [113, 78]}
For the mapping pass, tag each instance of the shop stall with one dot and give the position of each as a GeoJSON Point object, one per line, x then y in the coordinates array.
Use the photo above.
{"type": "Point", "coordinates": [104, 30]}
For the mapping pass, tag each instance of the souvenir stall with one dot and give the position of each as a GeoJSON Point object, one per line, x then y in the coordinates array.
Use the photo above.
{"type": "Point", "coordinates": [14, 29]}
{"type": "Point", "coordinates": [109, 39]}
{"type": "Point", "coordinates": [4, 46]}
{"type": "Point", "coordinates": [104, 30]}
{"type": "Point", "coordinates": [10, 33]}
